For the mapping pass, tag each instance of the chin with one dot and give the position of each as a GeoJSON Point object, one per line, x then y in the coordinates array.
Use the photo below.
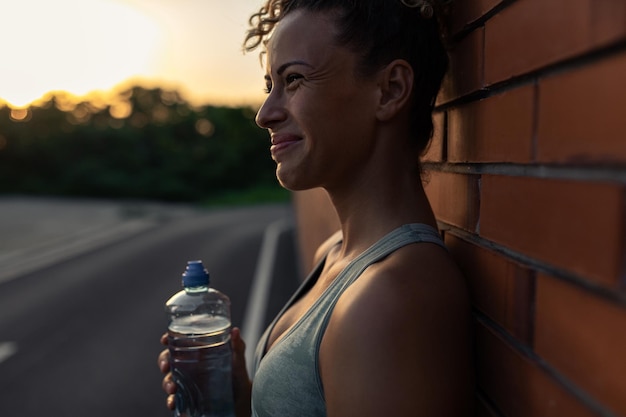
{"type": "Point", "coordinates": [292, 184]}
{"type": "Point", "coordinates": [296, 177]}
{"type": "Point", "coordinates": [289, 185]}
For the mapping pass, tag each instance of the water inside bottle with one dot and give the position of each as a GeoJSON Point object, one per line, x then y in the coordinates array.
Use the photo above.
{"type": "Point", "coordinates": [203, 357]}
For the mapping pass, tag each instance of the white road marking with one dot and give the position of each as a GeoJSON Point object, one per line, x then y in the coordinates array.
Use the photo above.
{"type": "Point", "coordinates": [7, 349]}
{"type": "Point", "coordinates": [253, 321]}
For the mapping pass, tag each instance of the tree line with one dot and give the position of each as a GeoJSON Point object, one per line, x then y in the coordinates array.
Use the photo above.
{"type": "Point", "coordinates": [146, 143]}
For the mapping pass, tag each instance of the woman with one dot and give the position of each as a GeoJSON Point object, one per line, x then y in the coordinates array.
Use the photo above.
{"type": "Point", "coordinates": [382, 325]}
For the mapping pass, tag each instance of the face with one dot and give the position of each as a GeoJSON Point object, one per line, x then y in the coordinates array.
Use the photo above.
{"type": "Point", "coordinates": [319, 113]}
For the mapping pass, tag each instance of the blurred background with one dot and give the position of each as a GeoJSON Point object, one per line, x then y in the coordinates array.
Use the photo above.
{"type": "Point", "coordinates": [127, 147]}
{"type": "Point", "coordinates": [127, 98]}
{"type": "Point", "coordinates": [86, 47]}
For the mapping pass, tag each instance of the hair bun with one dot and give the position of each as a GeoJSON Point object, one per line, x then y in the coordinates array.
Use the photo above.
{"type": "Point", "coordinates": [426, 8]}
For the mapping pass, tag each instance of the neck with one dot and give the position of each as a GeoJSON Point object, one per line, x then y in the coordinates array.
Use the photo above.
{"type": "Point", "coordinates": [369, 210]}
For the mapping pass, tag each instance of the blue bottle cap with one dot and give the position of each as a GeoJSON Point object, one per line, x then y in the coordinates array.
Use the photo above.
{"type": "Point", "coordinates": [195, 275]}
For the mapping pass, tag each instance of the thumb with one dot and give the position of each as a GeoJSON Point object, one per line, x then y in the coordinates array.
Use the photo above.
{"type": "Point", "coordinates": [239, 353]}
{"type": "Point", "coordinates": [237, 343]}
{"type": "Point", "coordinates": [242, 386]}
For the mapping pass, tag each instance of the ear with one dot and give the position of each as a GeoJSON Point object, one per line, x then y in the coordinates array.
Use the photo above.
{"type": "Point", "coordinates": [396, 85]}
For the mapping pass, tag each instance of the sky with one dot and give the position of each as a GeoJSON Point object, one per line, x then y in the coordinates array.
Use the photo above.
{"type": "Point", "coordinates": [93, 46]}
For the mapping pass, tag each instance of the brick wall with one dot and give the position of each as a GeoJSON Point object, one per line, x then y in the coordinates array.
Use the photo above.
{"type": "Point", "coordinates": [527, 176]}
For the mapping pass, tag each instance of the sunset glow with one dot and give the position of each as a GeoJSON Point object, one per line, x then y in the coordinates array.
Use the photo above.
{"type": "Point", "coordinates": [87, 47]}
{"type": "Point", "coordinates": [72, 45]}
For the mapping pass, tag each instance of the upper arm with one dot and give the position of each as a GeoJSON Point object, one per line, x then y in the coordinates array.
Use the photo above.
{"type": "Point", "coordinates": [398, 345]}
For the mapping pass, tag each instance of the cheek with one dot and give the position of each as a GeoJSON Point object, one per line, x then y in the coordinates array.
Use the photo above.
{"type": "Point", "coordinates": [333, 115]}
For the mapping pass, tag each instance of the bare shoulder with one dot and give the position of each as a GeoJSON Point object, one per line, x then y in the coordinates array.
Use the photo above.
{"type": "Point", "coordinates": [405, 321]}
{"type": "Point", "coordinates": [422, 271]}
{"type": "Point", "coordinates": [414, 281]}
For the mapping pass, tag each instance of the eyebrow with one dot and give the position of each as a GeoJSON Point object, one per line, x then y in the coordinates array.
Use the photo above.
{"type": "Point", "coordinates": [286, 65]}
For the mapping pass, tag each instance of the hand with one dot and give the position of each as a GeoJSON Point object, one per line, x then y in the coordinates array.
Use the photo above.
{"type": "Point", "coordinates": [169, 386]}
{"type": "Point", "coordinates": [242, 387]}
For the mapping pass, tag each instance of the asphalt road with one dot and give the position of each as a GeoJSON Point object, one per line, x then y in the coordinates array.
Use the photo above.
{"type": "Point", "coordinates": [79, 330]}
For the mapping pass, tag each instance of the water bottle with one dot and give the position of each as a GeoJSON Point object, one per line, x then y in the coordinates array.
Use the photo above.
{"type": "Point", "coordinates": [199, 346]}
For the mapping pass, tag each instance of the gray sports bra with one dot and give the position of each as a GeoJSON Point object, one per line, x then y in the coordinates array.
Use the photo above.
{"type": "Point", "coordinates": [286, 379]}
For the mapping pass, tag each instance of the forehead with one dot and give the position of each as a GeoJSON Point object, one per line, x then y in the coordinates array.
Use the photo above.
{"type": "Point", "coordinates": [301, 35]}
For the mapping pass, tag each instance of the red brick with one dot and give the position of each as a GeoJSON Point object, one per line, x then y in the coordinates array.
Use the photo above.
{"type": "Point", "coordinates": [496, 129]}
{"type": "Point", "coordinates": [517, 386]}
{"type": "Point", "coordinates": [608, 21]}
{"type": "Point", "coordinates": [465, 12]}
{"type": "Point", "coordinates": [454, 198]}
{"type": "Point", "coordinates": [583, 337]}
{"type": "Point", "coordinates": [466, 68]}
{"type": "Point", "coordinates": [531, 34]}
{"type": "Point", "coordinates": [500, 288]}
{"type": "Point", "coordinates": [434, 153]}
{"type": "Point", "coordinates": [582, 114]}
{"type": "Point", "coordinates": [574, 225]}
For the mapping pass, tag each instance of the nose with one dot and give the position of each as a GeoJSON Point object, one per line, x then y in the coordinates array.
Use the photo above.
{"type": "Point", "coordinates": [272, 111]}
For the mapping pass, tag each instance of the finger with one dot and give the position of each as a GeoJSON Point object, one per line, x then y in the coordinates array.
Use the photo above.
{"type": "Point", "coordinates": [168, 384]}
{"type": "Point", "coordinates": [164, 361]}
{"type": "Point", "coordinates": [171, 402]}
{"type": "Point", "coordinates": [164, 339]}
{"type": "Point", "coordinates": [239, 346]}
{"type": "Point", "coordinates": [239, 350]}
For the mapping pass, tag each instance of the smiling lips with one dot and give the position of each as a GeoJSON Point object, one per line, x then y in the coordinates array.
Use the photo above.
{"type": "Point", "coordinates": [282, 142]}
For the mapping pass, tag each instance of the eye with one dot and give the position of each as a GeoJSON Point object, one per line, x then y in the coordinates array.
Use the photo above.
{"type": "Point", "coordinates": [292, 78]}
{"type": "Point", "coordinates": [268, 84]}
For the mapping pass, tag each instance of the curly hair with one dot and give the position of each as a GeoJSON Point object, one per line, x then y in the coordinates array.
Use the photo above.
{"type": "Point", "coordinates": [379, 31]}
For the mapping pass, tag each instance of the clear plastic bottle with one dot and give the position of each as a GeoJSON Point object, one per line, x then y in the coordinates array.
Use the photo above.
{"type": "Point", "coordinates": [199, 345]}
